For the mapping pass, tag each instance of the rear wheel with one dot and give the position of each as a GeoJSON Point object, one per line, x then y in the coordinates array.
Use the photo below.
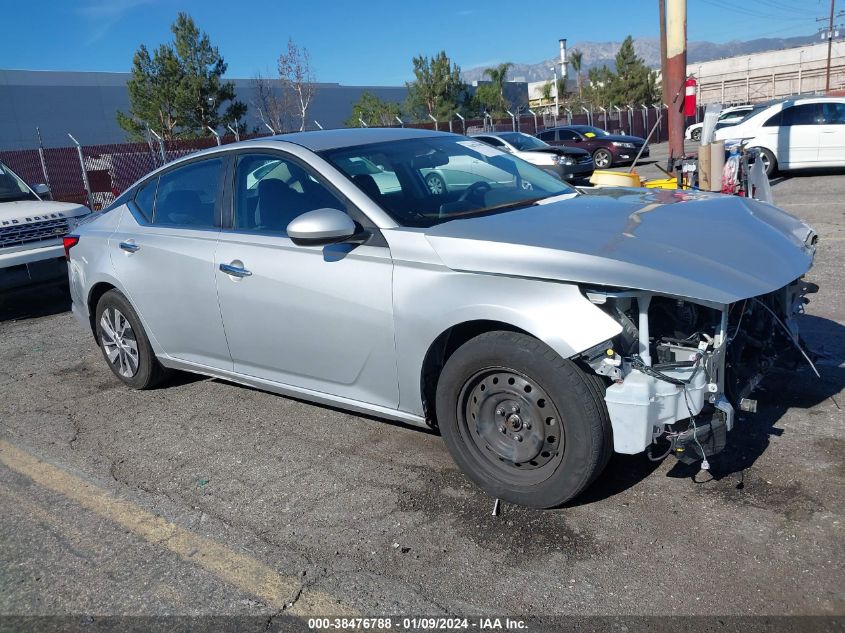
{"type": "Point", "coordinates": [124, 343]}
{"type": "Point", "coordinates": [696, 134]}
{"type": "Point", "coordinates": [523, 423]}
{"type": "Point", "coordinates": [602, 159]}
{"type": "Point", "coordinates": [770, 163]}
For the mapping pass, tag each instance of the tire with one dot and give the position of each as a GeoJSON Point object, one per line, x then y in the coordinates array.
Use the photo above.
{"type": "Point", "coordinates": [696, 134]}
{"type": "Point", "coordinates": [124, 343]}
{"type": "Point", "coordinates": [565, 437]}
{"type": "Point", "coordinates": [602, 159]}
{"type": "Point", "coordinates": [435, 183]}
{"type": "Point", "coordinates": [769, 161]}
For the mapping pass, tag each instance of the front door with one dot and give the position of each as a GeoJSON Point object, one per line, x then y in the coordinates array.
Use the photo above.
{"type": "Point", "coordinates": [314, 317]}
{"type": "Point", "coordinates": [163, 254]}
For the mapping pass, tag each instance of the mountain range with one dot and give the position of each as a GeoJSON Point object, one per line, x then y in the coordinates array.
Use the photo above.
{"type": "Point", "coordinates": [601, 53]}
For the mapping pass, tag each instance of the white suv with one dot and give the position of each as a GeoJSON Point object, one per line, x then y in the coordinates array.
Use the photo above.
{"type": "Point", "coordinates": [794, 133]}
{"type": "Point", "coordinates": [31, 231]}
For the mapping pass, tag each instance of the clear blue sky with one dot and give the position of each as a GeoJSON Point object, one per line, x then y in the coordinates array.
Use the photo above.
{"type": "Point", "coordinates": [367, 41]}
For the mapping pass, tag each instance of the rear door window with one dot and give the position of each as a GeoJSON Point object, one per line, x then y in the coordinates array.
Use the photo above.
{"type": "Point", "coordinates": [145, 199]}
{"type": "Point", "coordinates": [187, 196]}
{"type": "Point", "coordinates": [548, 135]}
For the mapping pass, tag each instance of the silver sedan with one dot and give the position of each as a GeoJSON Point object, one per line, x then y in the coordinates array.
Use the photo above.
{"type": "Point", "coordinates": [538, 328]}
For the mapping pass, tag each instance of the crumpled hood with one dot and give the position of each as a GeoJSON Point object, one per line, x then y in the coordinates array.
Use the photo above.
{"type": "Point", "coordinates": [36, 210]}
{"type": "Point", "coordinates": [698, 245]}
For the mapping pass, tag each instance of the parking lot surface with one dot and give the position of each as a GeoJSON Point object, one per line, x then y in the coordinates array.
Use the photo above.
{"type": "Point", "coordinates": [203, 497]}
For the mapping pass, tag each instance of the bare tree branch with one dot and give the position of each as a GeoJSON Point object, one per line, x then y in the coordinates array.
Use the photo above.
{"type": "Point", "coordinates": [297, 79]}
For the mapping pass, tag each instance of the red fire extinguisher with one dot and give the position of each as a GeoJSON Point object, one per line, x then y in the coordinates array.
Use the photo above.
{"type": "Point", "coordinates": [689, 96]}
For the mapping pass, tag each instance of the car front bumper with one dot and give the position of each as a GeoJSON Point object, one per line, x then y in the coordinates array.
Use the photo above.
{"type": "Point", "coordinates": [578, 171]}
{"type": "Point", "coordinates": [625, 155]}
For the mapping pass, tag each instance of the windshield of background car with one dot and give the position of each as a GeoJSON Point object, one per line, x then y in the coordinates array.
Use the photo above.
{"type": "Point", "coordinates": [13, 188]}
{"type": "Point", "coordinates": [425, 181]}
{"type": "Point", "coordinates": [523, 142]}
{"type": "Point", "coordinates": [754, 112]}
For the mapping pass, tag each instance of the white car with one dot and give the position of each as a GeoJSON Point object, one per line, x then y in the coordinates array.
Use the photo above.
{"type": "Point", "coordinates": [567, 163]}
{"type": "Point", "coordinates": [795, 133]}
{"type": "Point", "coordinates": [31, 231]}
{"type": "Point", "coordinates": [727, 117]}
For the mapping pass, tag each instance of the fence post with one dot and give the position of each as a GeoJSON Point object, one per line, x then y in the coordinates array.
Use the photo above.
{"type": "Point", "coordinates": [160, 145]}
{"type": "Point", "coordinates": [316, 122]}
{"type": "Point", "coordinates": [450, 125]}
{"type": "Point", "coordinates": [435, 122]}
{"type": "Point", "coordinates": [43, 162]}
{"type": "Point", "coordinates": [463, 122]}
{"type": "Point", "coordinates": [213, 131]}
{"type": "Point", "coordinates": [398, 118]}
{"type": "Point", "coordinates": [238, 136]}
{"type": "Point", "coordinates": [84, 173]}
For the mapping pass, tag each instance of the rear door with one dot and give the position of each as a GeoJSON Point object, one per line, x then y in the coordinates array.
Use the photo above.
{"type": "Point", "coordinates": [832, 135]}
{"type": "Point", "coordinates": [798, 135]}
{"type": "Point", "coordinates": [163, 254]}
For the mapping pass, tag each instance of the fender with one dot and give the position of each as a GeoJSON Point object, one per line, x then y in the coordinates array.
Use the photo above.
{"type": "Point", "coordinates": [555, 313]}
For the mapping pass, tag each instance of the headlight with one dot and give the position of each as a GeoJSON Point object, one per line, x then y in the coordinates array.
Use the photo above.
{"type": "Point", "coordinates": [567, 161]}
{"type": "Point", "coordinates": [625, 145]}
{"type": "Point", "coordinates": [555, 159]}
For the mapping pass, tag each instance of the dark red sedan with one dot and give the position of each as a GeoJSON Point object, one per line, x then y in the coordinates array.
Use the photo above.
{"type": "Point", "coordinates": [607, 149]}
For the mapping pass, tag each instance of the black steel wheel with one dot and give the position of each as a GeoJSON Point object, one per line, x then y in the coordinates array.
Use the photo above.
{"type": "Point", "coordinates": [526, 425]}
{"type": "Point", "coordinates": [510, 422]}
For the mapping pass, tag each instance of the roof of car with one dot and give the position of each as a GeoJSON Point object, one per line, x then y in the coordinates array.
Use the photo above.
{"type": "Point", "coordinates": [319, 140]}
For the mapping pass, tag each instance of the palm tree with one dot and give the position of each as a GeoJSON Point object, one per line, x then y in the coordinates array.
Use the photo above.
{"type": "Point", "coordinates": [575, 58]}
{"type": "Point", "coordinates": [498, 75]}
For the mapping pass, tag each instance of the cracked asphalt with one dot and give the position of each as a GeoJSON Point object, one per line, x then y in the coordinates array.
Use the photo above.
{"type": "Point", "coordinates": [356, 515]}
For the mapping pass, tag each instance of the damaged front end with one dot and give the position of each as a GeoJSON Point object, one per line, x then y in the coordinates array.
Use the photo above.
{"type": "Point", "coordinates": [680, 368]}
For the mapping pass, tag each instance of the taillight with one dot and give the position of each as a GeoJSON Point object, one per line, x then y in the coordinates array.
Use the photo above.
{"type": "Point", "coordinates": [69, 241]}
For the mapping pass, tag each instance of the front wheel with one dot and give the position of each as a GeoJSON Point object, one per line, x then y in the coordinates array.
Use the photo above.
{"type": "Point", "coordinates": [602, 159]}
{"type": "Point", "coordinates": [435, 184]}
{"type": "Point", "coordinates": [124, 343]}
{"type": "Point", "coordinates": [524, 424]}
{"type": "Point", "coordinates": [696, 134]}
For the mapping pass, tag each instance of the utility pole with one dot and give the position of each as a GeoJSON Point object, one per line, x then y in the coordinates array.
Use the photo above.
{"type": "Point", "coordinates": [676, 72]}
{"type": "Point", "coordinates": [662, 11]}
{"type": "Point", "coordinates": [829, 34]}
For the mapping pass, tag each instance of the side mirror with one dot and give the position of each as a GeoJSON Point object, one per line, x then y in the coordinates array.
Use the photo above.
{"type": "Point", "coordinates": [321, 226]}
{"type": "Point", "coordinates": [43, 191]}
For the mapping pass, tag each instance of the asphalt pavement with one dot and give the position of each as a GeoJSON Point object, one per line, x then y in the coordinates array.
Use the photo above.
{"type": "Point", "coordinates": [206, 498]}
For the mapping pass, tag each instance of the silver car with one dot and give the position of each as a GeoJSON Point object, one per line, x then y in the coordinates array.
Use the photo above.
{"type": "Point", "coordinates": [538, 328]}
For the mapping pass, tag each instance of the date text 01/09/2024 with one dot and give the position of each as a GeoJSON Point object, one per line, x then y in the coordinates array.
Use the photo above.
{"type": "Point", "coordinates": [417, 624]}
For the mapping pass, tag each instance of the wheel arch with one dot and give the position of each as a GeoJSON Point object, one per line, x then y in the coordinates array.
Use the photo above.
{"type": "Point", "coordinates": [94, 295]}
{"type": "Point", "coordinates": [444, 345]}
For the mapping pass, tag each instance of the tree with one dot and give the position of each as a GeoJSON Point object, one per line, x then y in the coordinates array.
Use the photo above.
{"type": "Point", "coordinates": [297, 77]}
{"type": "Point", "coordinates": [632, 83]}
{"type": "Point", "coordinates": [373, 111]}
{"type": "Point", "coordinates": [178, 91]}
{"type": "Point", "coordinates": [547, 91]}
{"type": "Point", "coordinates": [437, 88]}
{"type": "Point", "coordinates": [271, 102]}
{"type": "Point", "coordinates": [492, 96]}
{"type": "Point", "coordinates": [576, 58]}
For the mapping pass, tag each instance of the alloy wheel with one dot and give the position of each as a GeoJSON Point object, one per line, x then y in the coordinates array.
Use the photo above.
{"type": "Point", "coordinates": [435, 184]}
{"type": "Point", "coordinates": [119, 342]}
{"type": "Point", "coordinates": [602, 159]}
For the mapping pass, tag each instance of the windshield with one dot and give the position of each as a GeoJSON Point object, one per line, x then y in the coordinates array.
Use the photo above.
{"type": "Point", "coordinates": [425, 181]}
{"type": "Point", "coordinates": [523, 142]}
{"type": "Point", "coordinates": [753, 112]}
{"type": "Point", "coordinates": [590, 131]}
{"type": "Point", "coordinates": [13, 188]}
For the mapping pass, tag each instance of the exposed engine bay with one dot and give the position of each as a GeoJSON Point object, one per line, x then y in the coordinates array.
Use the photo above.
{"type": "Point", "coordinates": [679, 369]}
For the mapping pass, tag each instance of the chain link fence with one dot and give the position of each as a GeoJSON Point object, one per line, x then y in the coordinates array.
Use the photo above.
{"type": "Point", "coordinates": [95, 175]}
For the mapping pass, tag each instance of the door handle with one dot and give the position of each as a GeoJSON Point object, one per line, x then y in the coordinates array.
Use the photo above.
{"type": "Point", "coordinates": [235, 271]}
{"type": "Point", "coordinates": [129, 247]}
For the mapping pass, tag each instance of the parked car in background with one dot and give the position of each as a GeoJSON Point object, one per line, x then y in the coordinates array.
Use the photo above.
{"type": "Point", "coordinates": [607, 149]}
{"type": "Point", "coordinates": [727, 117]}
{"type": "Point", "coordinates": [537, 327]}
{"type": "Point", "coordinates": [31, 231]}
{"type": "Point", "coordinates": [795, 133]}
{"type": "Point", "coordinates": [568, 163]}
